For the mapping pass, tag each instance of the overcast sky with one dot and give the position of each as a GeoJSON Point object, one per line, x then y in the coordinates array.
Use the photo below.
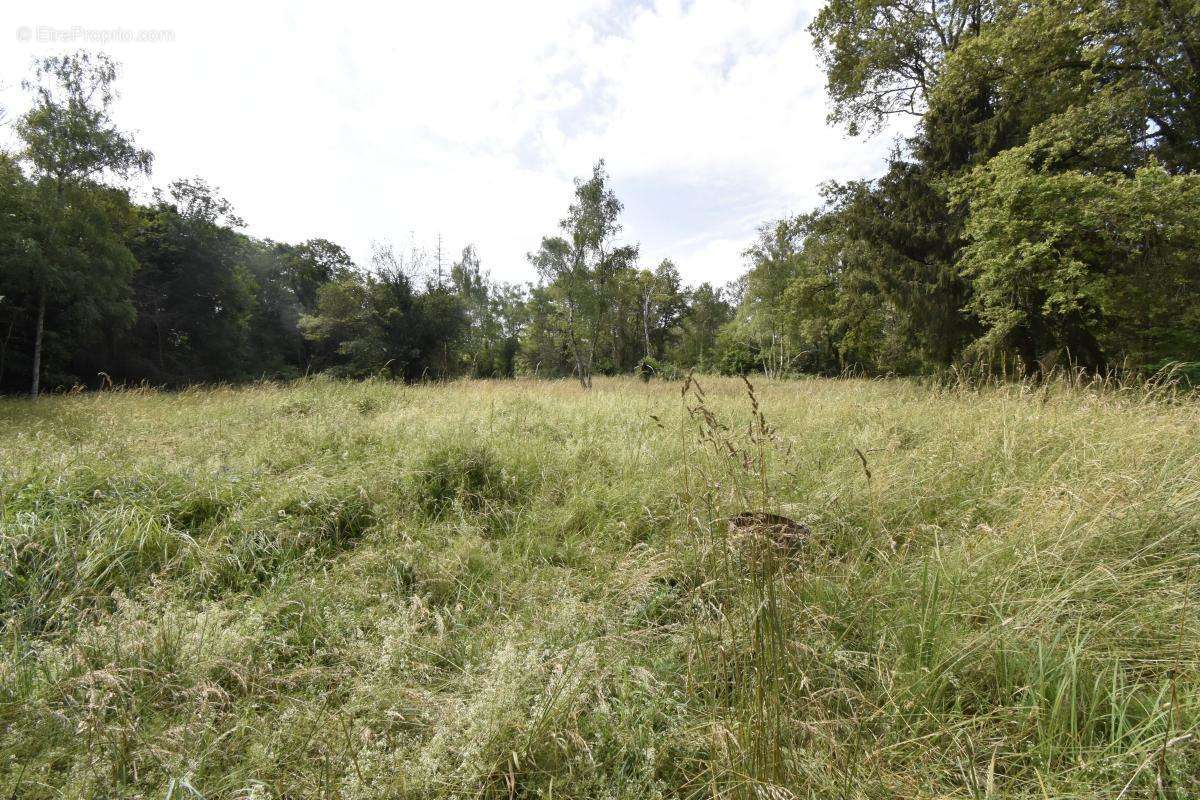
{"type": "Point", "coordinates": [402, 121]}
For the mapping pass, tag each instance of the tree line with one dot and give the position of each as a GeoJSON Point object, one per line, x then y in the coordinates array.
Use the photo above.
{"type": "Point", "coordinates": [97, 289]}
{"type": "Point", "coordinates": [1044, 211]}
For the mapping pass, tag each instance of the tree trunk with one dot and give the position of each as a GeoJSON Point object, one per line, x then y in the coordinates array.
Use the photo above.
{"type": "Point", "coordinates": [646, 324]}
{"type": "Point", "coordinates": [584, 365]}
{"type": "Point", "coordinates": [40, 326]}
{"type": "Point", "coordinates": [574, 347]}
{"type": "Point", "coordinates": [590, 359]}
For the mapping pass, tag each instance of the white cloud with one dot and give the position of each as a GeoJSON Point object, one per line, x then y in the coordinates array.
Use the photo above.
{"type": "Point", "coordinates": [469, 119]}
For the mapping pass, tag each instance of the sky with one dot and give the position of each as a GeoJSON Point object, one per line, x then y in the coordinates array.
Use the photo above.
{"type": "Point", "coordinates": [468, 121]}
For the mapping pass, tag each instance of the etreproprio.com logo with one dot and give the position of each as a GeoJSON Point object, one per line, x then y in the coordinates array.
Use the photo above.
{"type": "Point", "coordinates": [79, 34]}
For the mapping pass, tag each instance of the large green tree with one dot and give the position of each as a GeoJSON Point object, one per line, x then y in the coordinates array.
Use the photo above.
{"type": "Point", "coordinates": [194, 292]}
{"type": "Point", "coordinates": [71, 147]}
{"type": "Point", "coordinates": [895, 240]}
{"type": "Point", "coordinates": [1093, 266]}
{"type": "Point", "coordinates": [493, 318]}
{"type": "Point", "coordinates": [580, 268]}
{"type": "Point", "coordinates": [1040, 209]}
{"type": "Point", "coordinates": [884, 57]}
{"type": "Point", "coordinates": [706, 311]}
{"type": "Point", "coordinates": [1081, 239]}
{"type": "Point", "coordinates": [17, 250]}
{"type": "Point", "coordinates": [379, 321]}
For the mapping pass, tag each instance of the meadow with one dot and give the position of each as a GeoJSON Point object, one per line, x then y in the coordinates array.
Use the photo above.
{"type": "Point", "coordinates": [517, 588]}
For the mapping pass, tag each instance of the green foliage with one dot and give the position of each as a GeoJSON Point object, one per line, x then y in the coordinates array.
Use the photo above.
{"type": "Point", "coordinates": [707, 310]}
{"type": "Point", "coordinates": [596, 311]}
{"type": "Point", "coordinates": [1094, 266]}
{"type": "Point", "coordinates": [1042, 211]}
{"type": "Point", "coordinates": [1081, 237]}
{"type": "Point", "coordinates": [883, 56]}
{"type": "Point", "coordinates": [68, 134]}
{"type": "Point", "coordinates": [379, 322]}
{"type": "Point", "coordinates": [75, 249]}
{"type": "Point", "coordinates": [495, 317]}
{"type": "Point", "coordinates": [582, 268]}
{"type": "Point", "coordinates": [196, 295]}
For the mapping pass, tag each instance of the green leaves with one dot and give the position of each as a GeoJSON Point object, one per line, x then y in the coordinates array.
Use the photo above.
{"type": "Point", "coordinates": [68, 134]}
{"type": "Point", "coordinates": [581, 266]}
{"type": "Point", "coordinates": [1084, 262]}
{"type": "Point", "coordinates": [883, 57]}
{"type": "Point", "coordinates": [1046, 205]}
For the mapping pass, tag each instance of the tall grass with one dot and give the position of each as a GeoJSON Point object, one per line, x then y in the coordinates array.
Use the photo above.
{"type": "Point", "coordinates": [520, 589]}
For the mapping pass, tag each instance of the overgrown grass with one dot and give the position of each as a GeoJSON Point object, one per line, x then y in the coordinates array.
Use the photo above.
{"type": "Point", "coordinates": [518, 589]}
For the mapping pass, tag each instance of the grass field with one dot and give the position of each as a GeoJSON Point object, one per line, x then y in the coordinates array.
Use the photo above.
{"type": "Point", "coordinates": [519, 589]}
